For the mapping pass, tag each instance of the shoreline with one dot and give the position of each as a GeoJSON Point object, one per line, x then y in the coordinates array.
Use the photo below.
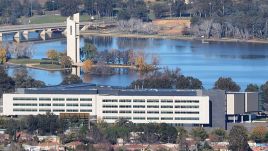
{"type": "Point", "coordinates": [172, 37]}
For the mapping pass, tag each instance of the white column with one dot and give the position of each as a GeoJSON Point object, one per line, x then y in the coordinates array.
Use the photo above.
{"type": "Point", "coordinates": [17, 36]}
{"type": "Point", "coordinates": [1, 37]}
{"type": "Point", "coordinates": [234, 118]}
{"type": "Point", "coordinates": [43, 35]}
{"type": "Point", "coordinates": [26, 34]}
{"type": "Point", "coordinates": [242, 118]}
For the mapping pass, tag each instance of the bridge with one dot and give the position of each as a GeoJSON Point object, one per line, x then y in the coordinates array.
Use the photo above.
{"type": "Point", "coordinates": [43, 29]}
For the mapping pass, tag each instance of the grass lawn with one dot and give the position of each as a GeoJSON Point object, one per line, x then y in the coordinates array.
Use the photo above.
{"type": "Point", "coordinates": [48, 66]}
{"type": "Point", "coordinates": [53, 19]}
{"type": "Point", "coordinates": [24, 61]}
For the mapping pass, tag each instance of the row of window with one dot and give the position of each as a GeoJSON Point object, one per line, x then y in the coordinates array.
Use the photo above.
{"type": "Point", "coordinates": [150, 101]}
{"type": "Point", "coordinates": [150, 112]}
{"type": "Point", "coordinates": [49, 110]}
{"type": "Point", "coordinates": [54, 104]}
{"type": "Point", "coordinates": [152, 118]}
{"type": "Point", "coordinates": [150, 106]}
{"type": "Point", "coordinates": [49, 99]}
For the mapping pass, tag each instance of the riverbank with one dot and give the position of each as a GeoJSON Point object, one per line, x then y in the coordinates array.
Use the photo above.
{"type": "Point", "coordinates": [176, 37]}
{"type": "Point", "coordinates": [36, 64]}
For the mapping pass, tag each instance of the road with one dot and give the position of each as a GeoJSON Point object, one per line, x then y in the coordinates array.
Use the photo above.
{"type": "Point", "coordinates": [15, 28]}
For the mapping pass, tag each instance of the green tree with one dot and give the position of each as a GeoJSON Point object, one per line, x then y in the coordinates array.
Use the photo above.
{"type": "Point", "coordinates": [23, 80]}
{"type": "Point", "coordinates": [181, 139]}
{"type": "Point", "coordinates": [89, 51]}
{"type": "Point", "coordinates": [168, 134]}
{"type": "Point", "coordinates": [71, 79]}
{"type": "Point", "coordinates": [66, 61]}
{"type": "Point", "coordinates": [7, 84]}
{"type": "Point", "coordinates": [218, 135]}
{"type": "Point", "coordinates": [199, 133]}
{"type": "Point", "coordinates": [149, 134]}
{"type": "Point", "coordinates": [68, 7]}
{"type": "Point", "coordinates": [252, 88]}
{"type": "Point", "coordinates": [123, 14]}
{"type": "Point", "coordinates": [161, 9]}
{"type": "Point", "coordinates": [238, 138]}
{"type": "Point", "coordinates": [264, 89]}
{"type": "Point", "coordinates": [226, 84]}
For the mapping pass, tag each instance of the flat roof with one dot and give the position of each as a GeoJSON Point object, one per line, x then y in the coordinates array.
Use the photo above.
{"type": "Point", "coordinates": [106, 90]}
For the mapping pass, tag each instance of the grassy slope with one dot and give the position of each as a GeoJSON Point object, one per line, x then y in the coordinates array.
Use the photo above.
{"type": "Point", "coordinates": [53, 19]}
{"type": "Point", "coordinates": [24, 61]}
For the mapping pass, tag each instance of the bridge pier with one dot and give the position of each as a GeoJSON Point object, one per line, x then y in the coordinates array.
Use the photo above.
{"type": "Point", "coordinates": [64, 33]}
{"type": "Point", "coordinates": [43, 34]}
{"type": "Point", "coordinates": [49, 32]}
{"type": "Point", "coordinates": [17, 37]}
{"type": "Point", "coordinates": [26, 34]}
{"type": "Point", "coordinates": [1, 37]}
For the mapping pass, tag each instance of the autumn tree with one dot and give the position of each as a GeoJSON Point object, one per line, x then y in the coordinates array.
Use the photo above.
{"type": "Point", "coordinates": [3, 55]}
{"type": "Point", "coordinates": [226, 84]}
{"type": "Point", "coordinates": [87, 66]}
{"type": "Point", "coordinates": [140, 60]}
{"type": "Point", "coordinates": [258, 134]}
{"type": "Point", "coordinates": [238, 139]}
{"type": "Point", "coordinates": [53, 55]}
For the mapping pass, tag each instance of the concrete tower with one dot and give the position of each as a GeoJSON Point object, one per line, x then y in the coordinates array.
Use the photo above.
{"type": "Point", "coordinates": [73, 38]}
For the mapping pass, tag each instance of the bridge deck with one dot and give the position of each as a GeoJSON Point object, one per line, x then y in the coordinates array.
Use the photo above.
{"type": "Point", "coordinates": [15, 28]}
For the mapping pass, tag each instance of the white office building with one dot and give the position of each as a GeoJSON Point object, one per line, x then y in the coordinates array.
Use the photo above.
{"type": "Point", "coordinates": [178, 107]}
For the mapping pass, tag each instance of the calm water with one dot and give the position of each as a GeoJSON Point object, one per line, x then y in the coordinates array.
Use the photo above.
{"type": "Point", "coordinates": [245, 63]}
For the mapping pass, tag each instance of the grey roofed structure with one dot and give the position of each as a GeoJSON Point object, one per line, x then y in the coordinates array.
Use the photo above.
{"type": "Point", "coordinates": [107, 90]}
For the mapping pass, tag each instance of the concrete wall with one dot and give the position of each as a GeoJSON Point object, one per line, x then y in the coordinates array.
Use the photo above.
{"type": "Point", "coordinates": [239, 103]}
{"type": "Point", "coordinates": [251, 101]}
{"type": "Point", "coordinates": [217, 99]}
{"type": "Point", "coordinates": [235, 103]}
{"type": "Point", "coordinates": [73, 38]}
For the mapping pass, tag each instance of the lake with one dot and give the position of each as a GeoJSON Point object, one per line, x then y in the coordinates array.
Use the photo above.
{"type": "Point", "coordinates": [244, 62]}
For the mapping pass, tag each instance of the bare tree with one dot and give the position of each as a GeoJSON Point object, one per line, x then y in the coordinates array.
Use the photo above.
{"type": "Point", "coordinates": [22, 50]}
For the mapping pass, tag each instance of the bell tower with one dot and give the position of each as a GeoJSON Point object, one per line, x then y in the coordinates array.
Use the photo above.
{"type": "Point", "coordinates": [73, 38]}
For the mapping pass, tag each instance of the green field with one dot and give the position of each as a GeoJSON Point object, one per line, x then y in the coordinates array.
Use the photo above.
{"type": "Point", "coordinates": [53, 19]}
{"type": "Point", "coordinates": [48, 66]}
{"type": "Point", "coordinates": [24, 61]}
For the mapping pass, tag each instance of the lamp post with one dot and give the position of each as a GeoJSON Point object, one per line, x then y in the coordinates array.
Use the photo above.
{"type": "Point", "coordinates": [31, 8]}
{"type": "Point", "coordinates": [169, 4]}
{"type": "Point", "coordinates": [210, 4]}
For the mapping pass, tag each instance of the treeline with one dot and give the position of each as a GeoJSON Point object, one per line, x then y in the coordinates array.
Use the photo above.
{"type": "Point", "coordinates": [174, 79]}
{"type": "Point", "coordinates": [147, 133]}
{"type": "Point", "coordinates": [10, 10]}
{"type": "Point", "coordinates": [230, 18]}
{"type": "Point", "coordinates": [133, 58]}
